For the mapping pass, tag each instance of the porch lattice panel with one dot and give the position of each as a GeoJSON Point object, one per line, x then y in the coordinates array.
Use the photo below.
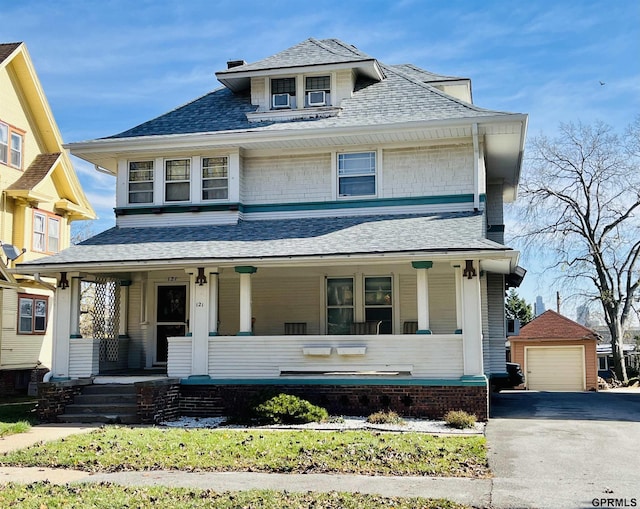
{"type": "Point", "coordinates": [106, 317]}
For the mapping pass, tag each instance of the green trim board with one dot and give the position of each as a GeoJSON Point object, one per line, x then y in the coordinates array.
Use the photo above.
{"type": "Point", "coordinates": [301, 206]}
{"type": "Point", "coordinates": [422, 264]}
{"type": "Point", "coordinates": [480, 381]}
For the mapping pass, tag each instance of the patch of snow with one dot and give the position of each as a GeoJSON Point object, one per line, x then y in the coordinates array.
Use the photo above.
{"type": "Point", "coordinates": [335, 424]}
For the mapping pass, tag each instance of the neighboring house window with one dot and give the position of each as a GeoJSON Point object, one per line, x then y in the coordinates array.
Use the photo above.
{"type": "Point", "coordinates": [357, 174]}
{"type": "Point", "coordinates": [32, 314]}
{"type": "Point", "coordinates": [602, 364]}
{"type": "Point", "coordinates": [283, 93]}
{"type": "Point", "coordinates": [378, 302]}
{"type": "Point", "coordinates": [11, 146]}
{"type": "Point", "coordinates": [177, 179]}
{"type": "Point", "coordinates": [141, 182]}
{"type": "Point", "coordinates": [339, 305]}
{"type": "Point", "coordinates": [316, 90]}
{"type": "Point", "coordinates": [46, 232]}
{"type": "Point", "coordinates": [215, 178]}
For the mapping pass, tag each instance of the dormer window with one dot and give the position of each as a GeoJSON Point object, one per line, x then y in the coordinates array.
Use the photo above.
{"type": "Point", "coordinates": [283, 93]}
{"type": "Point", "coordinates": [317, 90]}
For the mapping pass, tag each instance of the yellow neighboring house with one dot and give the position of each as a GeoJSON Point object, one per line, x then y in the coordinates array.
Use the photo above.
{"type": "Point", "coordinates": [41, 196]}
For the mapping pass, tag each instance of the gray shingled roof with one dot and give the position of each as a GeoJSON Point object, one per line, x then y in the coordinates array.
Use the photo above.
{"type": "Point", "coordinates": [422, 75]}
{"type": "Point", "coordinates": [282, 238]}
{"type": "Point", "coordinates": [400, 97]}
{"type": "Point", "coordinates": [309, 52]}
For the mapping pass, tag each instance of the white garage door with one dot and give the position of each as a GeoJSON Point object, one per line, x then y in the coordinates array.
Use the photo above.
{"type": "Point", "coordinates": [555, 368]}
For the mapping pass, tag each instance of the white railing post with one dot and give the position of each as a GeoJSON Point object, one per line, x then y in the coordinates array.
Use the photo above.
{"type": "Point", "coordinates": [422, 281]}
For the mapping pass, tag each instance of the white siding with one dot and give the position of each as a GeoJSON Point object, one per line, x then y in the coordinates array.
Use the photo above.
{"type": "Point", "coordinates": [258, 89]}
{"type": "Point", "coordinates": [427, 356]}
{"type": "Point", "coordinates": [84, 357]}
{"type": "Point", "coordinates": [408, 296]}
{"type": "Point", "coordinates": [493, 324]}
{"type": "Point", "coordinates": [179, 360]}
{"type": "Point", "coordinates": [344, 86]}
{"type": "Point", "coordinates": [136, 329]}
{"type": "Point", "coordinates": [442, 301]}
{"type": "Point", "coordinates": [303, 178]}
{"type": "Point", "coordinates": [428, 171]}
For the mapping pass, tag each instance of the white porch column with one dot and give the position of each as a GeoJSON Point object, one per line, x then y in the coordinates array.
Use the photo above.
{"type": "Point", "coordinates": [422, 295]}
{"type": "Point", "coordinates": [213, 303]}
{"type": "Point", "coordinates": [75, 290]}
{"type": "Point", "coordinates": [199, 329]}
{"type": "Point", "coordinates": [123, 331]}
{"type": "Point", "coordinates": [245, 272]}
{"type": "Point", "coordinates": [472, 320]}
{"type": "Point", "coordinates": [61, 330]}
{"type": "Point", "coordinates": [457, 269]}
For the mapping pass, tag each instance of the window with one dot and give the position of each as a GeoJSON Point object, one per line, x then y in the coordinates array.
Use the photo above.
{"type": "Point", "coordinates": [32, 314]}
{"type": "Point", "coordinates": [339, 305]}
{"type": "Point", "coordinates": [141, 182]}
{"type": "Point", "coordinates": [378, 302]}
{"type": "Point", "coordinates": [283, 93]}
{"type": "Point", "coordinates": [215, 178]}
{"type": "Point", "coordinates": [46, 232]}
{"type": "Point", "coordinates": [317, 89]}
{"type": "Point", "coordinates": [357, 174]}
{"type": "Point", "coordinates": [602, 364]}
{"type": "Point", "coordinates": [11, 146]}
{"type": "Point", "coordinates": [177, 178]}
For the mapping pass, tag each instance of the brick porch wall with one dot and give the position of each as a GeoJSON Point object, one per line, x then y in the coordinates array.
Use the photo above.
{"type": "Point", "coordinates": [430, 402]}
{"type": "Point", "coordinates": [53, 397]}
{"type": "Point", "coordinates": [158, 400]}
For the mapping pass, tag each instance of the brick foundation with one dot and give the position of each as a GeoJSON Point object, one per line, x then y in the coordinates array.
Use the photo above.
{"type": "Point", "coordinates": [158, 400]}
{"type": "Point", "coordinates": [15, 382]}
{"type": "Point", "coordinates": [430, 402]}
{"type": "Point", "coordinates": [53, 397]}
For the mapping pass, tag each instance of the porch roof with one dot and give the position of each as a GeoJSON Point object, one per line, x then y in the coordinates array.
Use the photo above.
{"type": "Point", "coordinates": [286, 238]}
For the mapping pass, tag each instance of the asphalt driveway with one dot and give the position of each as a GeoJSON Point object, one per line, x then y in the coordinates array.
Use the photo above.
{"type": "Point", "coordinates": [565, 450]}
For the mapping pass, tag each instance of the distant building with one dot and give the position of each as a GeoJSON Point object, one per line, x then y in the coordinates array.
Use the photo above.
{"type": "Point", "coordinates": [583, 317]}
{"type": "Point", "coordinates": [539, 306]}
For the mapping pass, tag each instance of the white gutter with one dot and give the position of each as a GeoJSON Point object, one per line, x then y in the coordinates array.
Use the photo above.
{"type": "Point", "coordinates": [38, 279]}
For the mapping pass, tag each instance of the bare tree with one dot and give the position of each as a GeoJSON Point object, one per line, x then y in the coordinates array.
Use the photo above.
{"type": "Point", "coordinates": [581, 197]}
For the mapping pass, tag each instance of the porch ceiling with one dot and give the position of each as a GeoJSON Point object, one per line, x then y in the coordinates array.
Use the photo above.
{"type": "Point", "coordinates": [275, 241]}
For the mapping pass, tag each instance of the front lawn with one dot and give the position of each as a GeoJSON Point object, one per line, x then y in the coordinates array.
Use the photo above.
{"type": "Point", "coordinates": [16, 417]}
{"type": "Point", "coordinates": [107, 496]}
{"type": "Point", "coordinates": [115, 448]}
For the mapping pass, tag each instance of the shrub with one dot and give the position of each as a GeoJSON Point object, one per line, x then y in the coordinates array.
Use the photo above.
{"type": "Point", "coordinates": [460, 419]}
{"type": "Point", "coordinates": [288, 409]}
{"type": "Point", "coordinates": [389, 417]}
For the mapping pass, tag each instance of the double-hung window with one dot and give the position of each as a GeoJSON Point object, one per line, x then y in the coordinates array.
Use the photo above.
{"type": "Point", "coordinates": [339, 305]}
{"type": "Point", "coordinates": [378, 302]}
{"type": "Point", "coordinates": [177, 180]}
{"type": "Point", "coordinates": [316, 90]}
{"type": "Point", "coordinates": [11, 146]}
{"type": "Point", "coordinates": [215, 178]}
{"type": "Point", "coordinates": [283, 93]}
{"type": "Point", "coordinates": [141, 182]}
{"type": "Point", "coordinates": [46, 233]}
{"type": "Point", "coordinates": [357, 174]}
{"type": "Point", "coordinates": [32, 314]}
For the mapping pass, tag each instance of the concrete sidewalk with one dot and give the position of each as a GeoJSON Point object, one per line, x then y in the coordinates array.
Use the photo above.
{"type": "Point", "coordinates": [476, 492]}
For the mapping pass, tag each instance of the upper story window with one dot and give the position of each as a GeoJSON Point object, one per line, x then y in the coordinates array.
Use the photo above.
{"type": "Point", "coordinates": [177, 180]}
{"type": "Point", "coordinates": [11, 146]}
{"type": "Point", "coordinates": [357, 174]}
{"type": "Point", "coordinates": [283, 93]}
{"type": "Point", "coordinates": [215, 178]}
{"type": "Point", "coordinates": [32, 313]}
{"type": "Point", "coordinates": [141, 182]}
{"type": "Point", "coordinates": [46, 232]}
{"type": "Point", "coordinates": [317, 90]}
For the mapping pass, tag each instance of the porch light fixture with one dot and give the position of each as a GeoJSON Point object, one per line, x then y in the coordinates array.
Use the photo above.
{"type": "Point", "coordinates": [64, 282]}
{"type": "Point", "coordinates": [469, 271]}
{"type": "Point", "coordinates": [201, 279]}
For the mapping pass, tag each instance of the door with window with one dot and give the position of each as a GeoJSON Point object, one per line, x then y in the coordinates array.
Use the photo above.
{"type": "Point", "coordinates": [171, 317]}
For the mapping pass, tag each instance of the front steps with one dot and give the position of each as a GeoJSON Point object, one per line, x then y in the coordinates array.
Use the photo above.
{"type": "Point", "coordinates": [105, 403]}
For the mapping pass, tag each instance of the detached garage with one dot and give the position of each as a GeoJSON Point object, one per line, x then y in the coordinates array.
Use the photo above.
{"type": "Point", "coordinates": [556, 354]}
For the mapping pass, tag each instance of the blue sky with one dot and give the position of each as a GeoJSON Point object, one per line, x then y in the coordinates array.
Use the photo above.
{"type": "Point", "coordinates": [111, 64]}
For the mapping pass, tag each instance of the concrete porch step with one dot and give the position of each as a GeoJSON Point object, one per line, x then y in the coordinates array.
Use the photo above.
{"type": "Point", "coordinates": [102, 408]}
{"type": "Point", "coordinates": [109, 389]}
{"type": "Point", "coordinates": [105, 419]}
{"type": "Point", "coordinates": [93, 399]}
{"type": "Point", "coordinates": [104, 403]}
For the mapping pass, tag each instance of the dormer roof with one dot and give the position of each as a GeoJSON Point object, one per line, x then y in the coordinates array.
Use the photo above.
{"type": "Point", "coordinates": [319, 55]}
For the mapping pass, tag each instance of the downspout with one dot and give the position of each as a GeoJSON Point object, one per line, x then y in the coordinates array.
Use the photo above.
{"type": "Point", "coordinates": [39, 280]}
{"type": "Point", "coordinates": [476, 168]}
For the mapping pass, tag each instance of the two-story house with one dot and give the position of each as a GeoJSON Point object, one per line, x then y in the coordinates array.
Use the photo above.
{"type": "Point", "coordinates": [324, 222]}
{"type": "Point", "coordinates": [40, 198]}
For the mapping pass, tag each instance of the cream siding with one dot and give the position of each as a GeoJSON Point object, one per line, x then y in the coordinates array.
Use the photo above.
{"type": "Point", "coordinates": [84, 357]}
{"type": "Point", "coordinates": [259, 93]}
{"type": "Point", "coordinates": [345, 80]}
{"type": "Point", "coordinates": [136, 327]}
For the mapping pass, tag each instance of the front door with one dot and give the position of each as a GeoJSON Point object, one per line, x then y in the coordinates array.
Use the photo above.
{"type": "Point", "coordinates": [171, 317]}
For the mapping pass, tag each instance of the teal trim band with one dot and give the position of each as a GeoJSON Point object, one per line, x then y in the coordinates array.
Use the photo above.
{"type": "Point", "coordinates": [199, 378]}
{"type": "Point", "coordinates": [59, 379]}
{"type": "Point", "coordinates": [478, 380]}
{"type": "Point", "coordinates": [426, 382]}
{"type": "Point", "coordinates": [125, 282]}
{"type": "Point", "coordinates": [423, 331]}
{"type": "Point", "coordinates": [189, 334]}
{"type": "Point", "coordinates": [212, 334]}
{"type": "Point", "coordinates": [244, 334]}
{"type": "Point", "coordinates": [123, 336]}
{"type": "Point", "coordinates": [75, 336]}
{"type": "Point", "coordinates": [458, 331]}
{"type": "Point", "coordinates": [246, 269]}
{"type": "Point", "coordinates": [294, 207]}
{"type": "Point", "coordinates": [422, 265]}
